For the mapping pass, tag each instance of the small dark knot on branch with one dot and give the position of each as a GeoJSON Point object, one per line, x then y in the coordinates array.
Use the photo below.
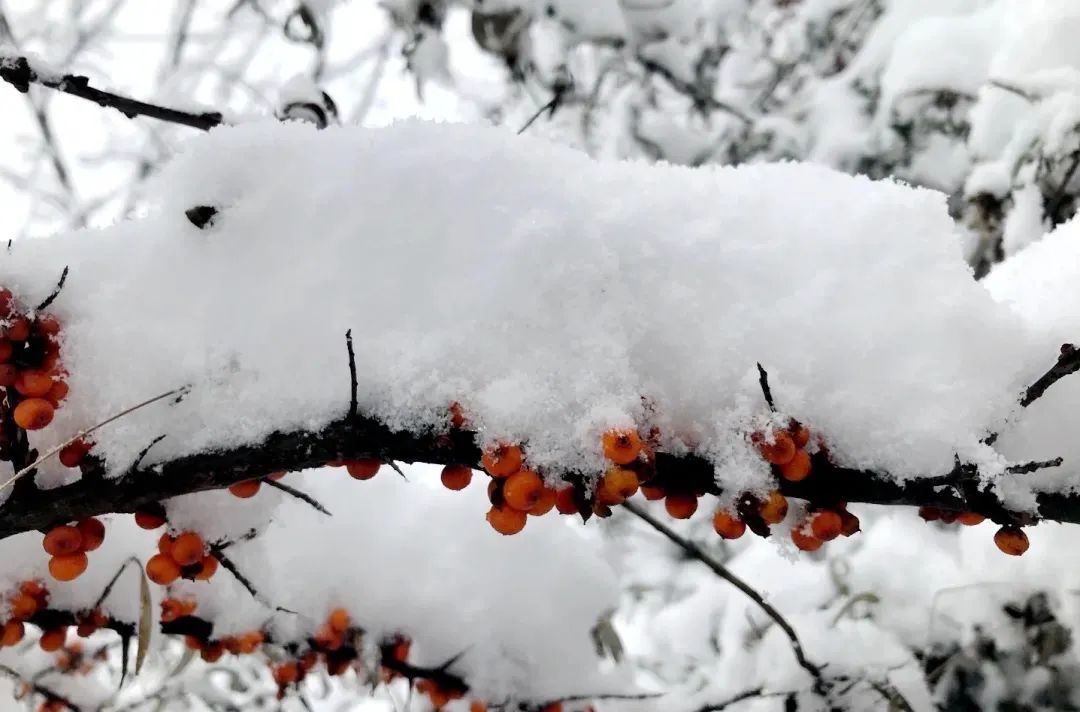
{"type": "Point", "coordinates": [16, 72]}
{"type": "Point", "coordinates": [201, 216]}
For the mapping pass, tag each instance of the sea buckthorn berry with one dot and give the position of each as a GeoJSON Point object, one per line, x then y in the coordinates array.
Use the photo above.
{"type": "Point", "coordinates": [970, 519]}
{"type": "Point", "coordinates": [727, 525]}
{"type": "Point", "coordinates": [338, 620]}
{"type": "Point", "coordinates": [53, 640]}
{"type": "Point", "coordinates": [150, 516]}
{"type": "Point", "coordinates": [849, 523]}
{"type": "Point", "coordinates": [826, 525]}
{"type": "Point", "coordinates": [553, 707]}
{"type": "Point", "coordinates": [621, 446]}
{"type": "Point", "coordinates": [363, 469]}
{"type": "Point", "coordinates": [275, 476]}
{"type": "Point", "coordinates": [165, 544]}
{"type": "Point", "coordinates": [63, 540]}
{"type": "Point", "coordinates": [494, 492]}
{"type": "Point", "coordinates": [545, 504]}
{"type": "Point", "coordinates": [565, 501]}
{"type": "Point", "coordinates": [33, 384]}
{"type": "Point", "coordinates": [800, 435]}
{"type": "Point", "coordinates": [948, 516]}
{"type": "Point", "coordinates": [477, 706]}
{"type": "Point", "coordinates": [249, 642]}
{"type": "Point", "coordinates": [93, 533]}
{"type": "Point", "coordinates": [162, 570]}
{"type": "Point", "coordinates": [506, 520]}
{"type": "Point", "coordinates": [18, 329]}
{"type": "Point", "coordinates": [34, 588]}
{"type": "Point", "coordinates": [13, 633]}
{"type": "Point", "coordinates": [780, 451]}
{"type": "Point", "coordinates": [930, 514]}
{"type": "Point", "coordinates": [7, 303]}
{"type": "Point", "coordinates": [8, 375]}
{"type": "Point", "coordinates": [22, 606]}
{"type": "Point", "coordinates": [57, 393]}
{"type": "Point", "coordinates": [328, 638]}
{"type": "Point", "coordinates": [212, 652]}
{"type": "Point", "coordinates": [617, 485]}
{"type": "Point", "coordinates": [245, 489]}
{"type": "Point", "coordinates": [456, 477]}
{"type": "Point", "coordinates": [188, 549]}
{"type": "Point", "coordinates": [502, 460]}
{"type": "Point", "coordinates": [47, 324]}
{"type": "Point", "coordinates": [6, 350]}
{"type": "Point", "coordinates": [681, 506]}
{"type": "Point", "coordinates": [34, 414]}
{"type": "Point", "coordinates": [653, 494]}
{"type": "Point", "coordinates": [523, 490]}
{"type": "Point", "coordinates": [798, 468]}
{"type": "Point", "coordinates": [804, 541]}
{"type": "Point", "coordinates": [774, 509]}
{"type": "Point", "coordinates": [457, 416]}
{"type": "Point", "coordinates": [72, 454]}
{"type": "Point", "coordinates": [173, 609]}
{"type": "Point", "coordinates": [1011, 540]}
{"type": "Point", "coordinates": [286, 673]}
{"type": "Point", "coordinates": [209, 566]}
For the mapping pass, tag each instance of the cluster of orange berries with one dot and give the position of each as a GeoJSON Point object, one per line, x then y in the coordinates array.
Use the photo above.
{"type": "Point", "coordinates": [1009, 539]}
{"type": "Point", "coordinates": [786, 451]}
{"type": "Point", "coordinates": [31, 599]}
{"type": "Point", "coordinates": [331, 645]}
{"type": "Point", "coordinates": [30, 364]}
{"type": "Point", "coordinates": [67, 545]}
{"type": "Point", "coordinates": [183, 556]}
{"type": "Point", "coordinates": [212, 650]}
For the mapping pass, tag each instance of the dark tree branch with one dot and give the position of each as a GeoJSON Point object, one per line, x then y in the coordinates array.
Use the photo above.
{"type": "Point", "coordinates": [18, 72]}
{"type": "Point", "coordinates": [1068, 362]}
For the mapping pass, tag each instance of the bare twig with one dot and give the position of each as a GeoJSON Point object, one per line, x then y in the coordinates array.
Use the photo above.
{"type": "Point", "coordinates": [292, 491]}
{"type": "Point", "coordinates": [1068, 362]}
{"type": "Point", "coordinates": [352, 374]}
{"type": "Point", "coordinates": [55, 292]}
{"type": "Point", "coordinates": [763, 379]}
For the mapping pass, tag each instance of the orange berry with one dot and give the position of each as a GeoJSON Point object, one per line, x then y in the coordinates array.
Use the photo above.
{"type": "Point", "coordinates": [162, 570]}
{"type": "Point", "coordinates": [47, 324]}
{"type": "Point", "coordinates": [250, 642]}
{"type": "Point", "coordinates": [33, 384]}
{"type": "Point", "coordinates": [970, 519]}
{"type": "Point", "coordinates": [616, 486]}
{"type": "Point", "coordinates": [477, 706]}
{"type": "Point", "coordinates": [681, 506]}
{"type": "Point", "coordinates": [209, 568]}
{"type": "Point", "coordinates": [774, 509]}
{"type": "Point", "coordinates": [727, 525]}
{"type": "Point", "coordinates": [23, 606]}
{"type": "Point", "coordinates": [12, 634]}
{"type": "Point", "coordinates": [188, 549]}
{"type": "Point", "coordinates": [327, 637]}
{"type": "Point", "coordinates": [338, 620]}
{"type": "Point", "coordinates": [1011, 540]}
{"type": "Point", "coordinates": [796, 469]}
{"type": "Point", "coordinates": [523, 490]}
{"type": "Point", "coordinates": [363, 469]}
{"type": "Point", "coordinates": [456, 477]}
{"type": "Point", "coordinates": [165, 544]}
{"type": "Point", "coordinates": [506, 520]}
{"type": "Point", "coordinates": [826, 525]}
{"type": "Point", "coordinates": [621, 446]}
{"type": "Point", "coordinates": [502, 460]}
{"type": "Point", "coordinates": [6, 350]}
{"type": "Point", "coordinates": [63, 540]}
{"type": "Point", "coordinates": [930, 514]}
{"type": "Point", "coordinates": [93, 533]}
{"type": "Point", "coordinates": [72, 454]}
{"type": "Point", "coordinates": [286, 673]}
{"type": "Point", "coordinates": [780, 450]}
{"type": "Point", "coordinates": [212, 652]}
{"type": "Point", "coordinates": [34, 414]}
{"type": "Point", "coordinates": [53, 640]}
{"type": "Point", "coordinates": [275, 476]}
{"type": "Point", "coordinates": [494, 491]}
{"type": "Point", "coordinates": [35, 588]}
{"type": "Point", "coordinates": [150, 517]}
{"type": "Point", "coordinates": [18, 329]}
{"type": "Point", "coordinates": [57, 393]}
{"type": "Point", "coordinates": [172, 609]}
{"type": "Point", "coordinates": [457, 415]}
{"type": "Point", "coordinates": [805, 542]}
{"type": "Point", "coordinates": [545, 504]}
{"type": "Point", "coordinates": [564, 500]}
{"type": "Point", "coordinates": [245, 489]}
{"type": "Point", "coordinates": [849, 523]}
{"type": "Point", "coordinates": [800, 435]}
{"type": "Point", "coordinates": [8, 375]}
{"type": "Point", "coordinates": [653, 494]}
{"type": "Point", "coordinates": [553, 707]}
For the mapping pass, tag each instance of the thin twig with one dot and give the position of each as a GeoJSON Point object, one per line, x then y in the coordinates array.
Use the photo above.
{"type": "Point", "coordinates": [1068, 362]}
{"type": "Point", "coordinates": [145, 451]}
{"type": "Point", "coordinates": [55, 292]}
{"type": "Point", "coordinates": [353, 405]}
{"type": "Point", "coordinates": [720, 570]}
{"type": "Point", "coordinates": [49, 694]}
{"type": "Point", "coordinates": [763, 379]}
{"type": "Point", "coordinates": [302, 496]}
{"type": "Point", "coordinates": [17, 71]}
{"type": "Point", "coordinates": [113, 580]}
{"type": "Point", "coordinates": [231, 568]}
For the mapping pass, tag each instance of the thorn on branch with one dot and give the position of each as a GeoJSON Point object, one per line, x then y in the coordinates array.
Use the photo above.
{"type": "Point", "coordinates": [143, 453]}
{"type": "Point", "coordinates": [55, 292]}
{"type": "Point", "coordinates": [302, 496]}
{"type": "Point", "coordinates": [353, 405]}
{"type": "Point", "coordinates": [201, 216]}
{"type": "Point", "coordinates": [763, 379]}
{"type": "Point", "coordinates": [231, 568]}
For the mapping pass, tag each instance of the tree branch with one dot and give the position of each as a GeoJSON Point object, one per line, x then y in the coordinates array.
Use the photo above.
{"type": "Point", "coordinates": [18, 72]}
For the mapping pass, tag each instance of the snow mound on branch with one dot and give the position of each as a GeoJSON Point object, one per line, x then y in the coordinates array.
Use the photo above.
{"type": "Point", "coordinates": [546, 292]}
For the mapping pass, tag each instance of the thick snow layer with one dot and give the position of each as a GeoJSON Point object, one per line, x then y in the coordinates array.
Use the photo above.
{"type": "Point", "coordinates": [545, 292]}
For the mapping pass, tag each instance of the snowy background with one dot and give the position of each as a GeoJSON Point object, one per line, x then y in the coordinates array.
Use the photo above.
{"type": "Point", "coordinates": [872, 198]}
